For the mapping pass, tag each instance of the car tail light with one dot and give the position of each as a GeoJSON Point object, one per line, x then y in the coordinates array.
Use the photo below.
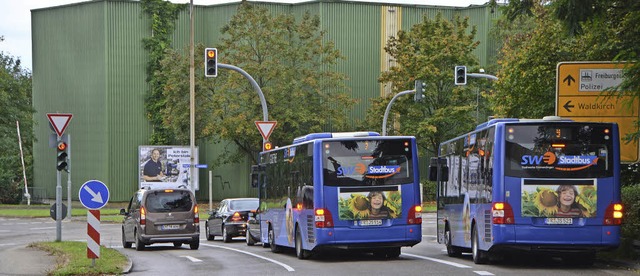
{"type": "Point", "coordinates": [415, 215]}
{"type": "Point", "coordinates": [236, 217]}
{"type": "Point", "coordinates": [196, 216]}
{"type": "Point", "coordinates": [613, 215]}
{"type": "Point", "coordinates": [143, 216]}
{"type": "Point", "coordinates": [323, 218]}
{"type": "Point", "coordinates": [502, 213]}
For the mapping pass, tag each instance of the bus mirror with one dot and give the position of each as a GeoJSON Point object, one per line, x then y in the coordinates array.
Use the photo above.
{"type": "Point", "coordinates": [436, 163]}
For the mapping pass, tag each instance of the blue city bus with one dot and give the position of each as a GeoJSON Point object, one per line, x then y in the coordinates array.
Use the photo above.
{"type": "Point", "coordinates": [355, 190]}
{"type": "Point", "coordinates": [549, 185]}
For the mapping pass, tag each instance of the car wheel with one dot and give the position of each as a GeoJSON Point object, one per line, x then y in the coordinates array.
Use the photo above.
{"type": "Point", "coordinates": [393, 253]}
{"type": "Point", "coordinates": [479, 256]}
{"type": "Point", "coordinates": [249, 238]}
{"type": "Point", "coordinates": [452, 251]}
{"type": "Point", "coordinates": [125, 244]}
{"type": "Point", "coordinates": [301, 253]}
{"type": "Point", "coordinates": [195, 244]}
{"type": "Point", "coordinates": [208, 232]}
{"type": "Point", "coordinates": [139, 243]}
{"type": "Point", "coordinates": [177, 244]}
{"type": "Point", "coordinates": [272, 241]}
{"type": "Point", "coordinates": [225, 234]}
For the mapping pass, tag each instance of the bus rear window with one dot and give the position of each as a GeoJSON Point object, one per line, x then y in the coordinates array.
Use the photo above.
{"type": "Point", "coordinates": [367, 162]}
{"type": "Point", "coordinates": [584, 150]}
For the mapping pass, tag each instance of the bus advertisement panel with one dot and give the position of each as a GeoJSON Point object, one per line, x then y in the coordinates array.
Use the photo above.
{"type": "Point", "coordinates": [341, 190]}
{"type": "Point", "coordinates": [550, 185]}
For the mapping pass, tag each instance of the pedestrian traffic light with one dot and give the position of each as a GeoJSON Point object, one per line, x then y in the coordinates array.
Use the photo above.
{"type": "Point", "coordinates": [62, 161]}
{"type": "Point", "coordinates": [420, 87]}
{"type": "Point", "coordinates": [461, 75]}
{"type": "Point", "coordinates": [210, 62]}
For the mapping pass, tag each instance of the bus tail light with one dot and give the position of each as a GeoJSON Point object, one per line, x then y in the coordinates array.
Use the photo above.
{"type": "Point", "coordinates": [323, 218]}
{"type": "Point", "coordinates": [143, 216]}
{"type": "Point", "coordinates": [613, 215]}
{"type": "Point", "coordinates": [196, 216]}
{"type": "Point", "coordinates": [502, 213]}
{"type": "Point", "coordinates": [415, 215]}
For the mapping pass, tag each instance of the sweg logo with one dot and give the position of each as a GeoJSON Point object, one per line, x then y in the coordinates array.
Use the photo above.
{"type": "Point", "coordinates": [383, 169]}
{"type": "Point", "coordinates": [548, 158]}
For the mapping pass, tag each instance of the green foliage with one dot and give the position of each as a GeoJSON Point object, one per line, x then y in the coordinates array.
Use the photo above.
{"type": "Point", "coordinates": [527, 61]}
{"type": "Point", "coordinates": [429, 52]}
{"type": "Point", "coordinates": [15, 105]}
{"type": "Point", "coordinates": [72, 257]}
{"type": "Point", "coordinates": [291, 62]}
{"type": "Point", "coordinates": [163, 15]}
{"type": "Point", "coordinates": [631, 222]}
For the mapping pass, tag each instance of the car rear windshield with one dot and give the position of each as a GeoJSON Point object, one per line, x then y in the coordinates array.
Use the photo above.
{"type": "Point", "coordinates": [164, 202]}
{"type": "Point", "coordinates": [244, 205]}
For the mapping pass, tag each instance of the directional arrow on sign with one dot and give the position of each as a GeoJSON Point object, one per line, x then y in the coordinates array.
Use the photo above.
{"type": "Point", "coordinates": [568, 106]}
{"type": "Point", "coordinates": [96, 197]}
{"type": "Point", "coordinates": [569, 79]}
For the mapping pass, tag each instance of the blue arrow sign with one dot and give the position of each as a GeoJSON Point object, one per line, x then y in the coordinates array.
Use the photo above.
{"type": "Point", "coordinates": [94, 194]}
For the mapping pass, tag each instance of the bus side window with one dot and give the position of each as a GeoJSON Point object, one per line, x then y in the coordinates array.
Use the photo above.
{"type": "Point", "coordinates": [307, 197]}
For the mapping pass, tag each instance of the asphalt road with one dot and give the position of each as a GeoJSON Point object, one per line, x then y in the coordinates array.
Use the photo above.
{"type": "Point", "coordinates": [219, 258]}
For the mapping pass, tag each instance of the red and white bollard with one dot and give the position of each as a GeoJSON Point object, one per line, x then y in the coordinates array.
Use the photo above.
{"type": "Point", "coordinates": [93, 235]}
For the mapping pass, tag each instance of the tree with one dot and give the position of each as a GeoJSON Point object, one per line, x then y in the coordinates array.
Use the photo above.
{"type": "Point", "coordinates": [429, 51]}
{"type": "Point", "coordinates": [532, 48]}
{"type": "Point", "coordinates": [290, 61]}
{"type": "Point", "coordinates": [15, 105]}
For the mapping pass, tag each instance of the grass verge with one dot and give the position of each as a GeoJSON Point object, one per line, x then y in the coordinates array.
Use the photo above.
{"type": "Point", "coordinates": [71, 259]}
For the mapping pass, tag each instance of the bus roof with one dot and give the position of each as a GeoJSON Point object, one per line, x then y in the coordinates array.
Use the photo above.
{"type": "Point", "coordinates": [324, 135]}
{"type": "Point", "coordinates": [507, 120]}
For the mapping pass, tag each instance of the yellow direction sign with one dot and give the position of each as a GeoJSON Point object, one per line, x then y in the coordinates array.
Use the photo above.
{"type": "Point", "coordinates": [579, 96]}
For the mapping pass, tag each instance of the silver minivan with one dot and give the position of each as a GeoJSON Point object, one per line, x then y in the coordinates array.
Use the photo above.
{"type": "Point", "coordinates": [161, 216]}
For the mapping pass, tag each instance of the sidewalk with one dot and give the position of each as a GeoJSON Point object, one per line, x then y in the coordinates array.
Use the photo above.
{"type": "Point", "coordinates": [23, 260]}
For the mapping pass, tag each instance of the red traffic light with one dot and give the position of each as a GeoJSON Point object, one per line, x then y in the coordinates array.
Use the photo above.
{"type": "Point", "coordinates": [62, 146]}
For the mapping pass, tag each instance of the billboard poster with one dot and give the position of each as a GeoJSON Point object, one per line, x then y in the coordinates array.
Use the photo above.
{"type": "Point", "coordinates": [165, 167]}
{"type": "Point", "coordinates": [559, 198]}
{"type": "Point", "coordinates": [370, 203]}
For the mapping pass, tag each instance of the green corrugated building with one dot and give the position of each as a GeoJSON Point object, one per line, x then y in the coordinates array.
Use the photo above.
{"type": "Point", "coordinates": [89, 60]}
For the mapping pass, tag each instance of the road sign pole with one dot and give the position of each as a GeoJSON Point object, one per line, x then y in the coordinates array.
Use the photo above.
{"type": "Point", "coordinates": [69, 176]}
{"type": "Point", "coordinates": [58, 204]}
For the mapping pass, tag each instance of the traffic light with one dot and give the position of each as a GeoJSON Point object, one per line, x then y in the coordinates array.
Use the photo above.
{"type": "Point", "coordinates": [210, 62]}
{"type": "Point", "coordinates": [461, 75]}
{"type": "Point", "coordinates": [62, 161]}
{"type": "Point", "coordinates": [421, 88]}
{"type": "Point", "coordinates": [267, 146]}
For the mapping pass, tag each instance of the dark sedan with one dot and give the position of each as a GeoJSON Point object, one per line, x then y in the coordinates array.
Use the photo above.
{"type": "Point", "coordinates": [230, 219]}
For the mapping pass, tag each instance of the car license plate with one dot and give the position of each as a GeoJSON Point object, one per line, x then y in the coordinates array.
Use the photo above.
{"type": "Point", "coordinates": [170, 226]}
{"type": "Point", "coordinates": [371, 222]}
{"type": "Point", "coordinates": [558, 221]}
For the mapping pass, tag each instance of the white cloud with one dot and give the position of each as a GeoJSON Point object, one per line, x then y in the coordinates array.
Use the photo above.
{"type": "Point", "coordinates": [15, 19]}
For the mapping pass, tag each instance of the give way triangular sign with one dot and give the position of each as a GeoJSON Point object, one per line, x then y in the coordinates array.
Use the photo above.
{"type": "Point", "coordinates": [265, 128]}
{"type": "Point", "coordinates": [59, 121]}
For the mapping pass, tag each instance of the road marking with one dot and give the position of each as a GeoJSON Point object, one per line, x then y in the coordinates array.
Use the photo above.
{"type": "Point", "coordinates": [42, 228]}
{"type": "Point", "coordinates": [7, 244]}
{"type": "Point", "coordinates": [195, 260]}
{"type": "Point", "coordinates": [484, 273]}
{"type": "Point", "coordinates": [288, 268]}
{"type": "Point", "coordinates": [437, 260]}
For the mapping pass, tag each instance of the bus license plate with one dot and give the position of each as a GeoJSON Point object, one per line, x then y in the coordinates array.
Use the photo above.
{"type": "Point", "coordinates": [371, 222]}
{"type": "Point", "coordinates": [558, 221]}
{"type": "Point", "coordinates": [171, 227]}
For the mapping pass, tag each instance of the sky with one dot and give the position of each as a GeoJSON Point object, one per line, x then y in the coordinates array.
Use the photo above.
{"type": "Point", "coordinates": [15, 19]}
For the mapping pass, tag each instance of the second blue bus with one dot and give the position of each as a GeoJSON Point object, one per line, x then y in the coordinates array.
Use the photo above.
{"type": "Point", "coordinates": [549, 185]}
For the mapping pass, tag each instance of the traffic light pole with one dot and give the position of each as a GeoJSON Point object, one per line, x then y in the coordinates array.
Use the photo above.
{"type": "Point", "coordinates": [386, 112]}
{"type": "Point", "coordinates": [58, 202]}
